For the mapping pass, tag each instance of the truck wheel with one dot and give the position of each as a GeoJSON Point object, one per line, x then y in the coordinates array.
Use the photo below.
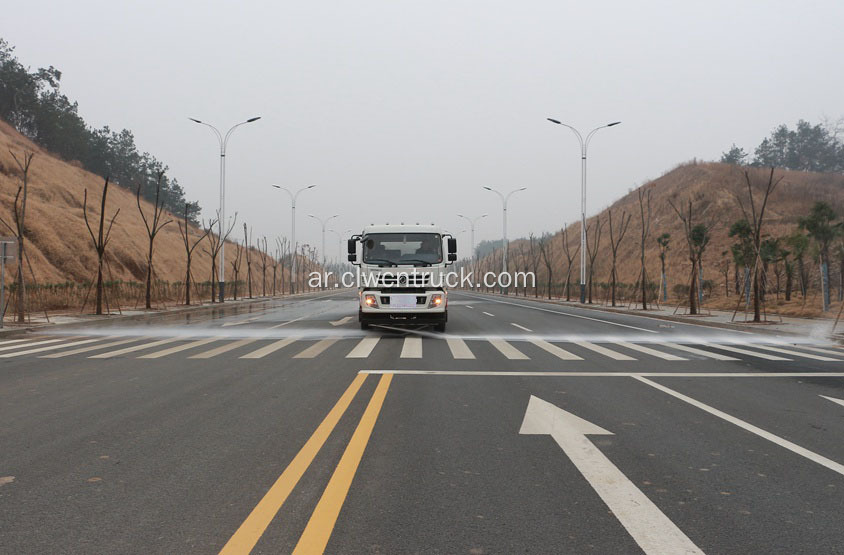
{"type": "Point", "coordinates": [440, 327]}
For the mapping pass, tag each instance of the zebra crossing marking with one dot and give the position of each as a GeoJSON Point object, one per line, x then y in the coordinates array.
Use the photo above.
{"type": "Point", "coordinates": [271, 348]}
{"type": "Point", "coordinates": [459, 349]}
{"type": "Point", "coordinates": [411, 348]}
{"type": "Point", "coordinates": [179, 348]}
{"type": "Point", "coordinates": [707, 354]}
{"type": "Point", "coordinates": [797, 353]}
{"type": "Point", "coordinates": [90, 348]}
{"type": "Point", "coordinates": [615, 355]}
{"type": "Point", "coordinates": [134, 348]}
{"type": "Point", "coordinates": [744, 351]}
{"type": "Point", "coordinates": [34, 343]}
{"type": "Point", "coordinates": [223, 348]}
{"type": "Point", "coordinates": [316, 348]}
{"type": "Point", "coordinates": [364, 347]}
{"type": "Point", "coordinates": [554, 350]}
{"type": "Point", "coordinates": [49, 348]}
{"type": "Point", "coordinates": [508, 350]}
{"type": "Point", "coordinates": [649, 351]}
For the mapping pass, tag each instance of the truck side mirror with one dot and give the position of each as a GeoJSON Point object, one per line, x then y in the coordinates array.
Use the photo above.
{"type": "Point", "coordinates": [452, 249]}
{"type": "Point", "coordinates": [352, 250]}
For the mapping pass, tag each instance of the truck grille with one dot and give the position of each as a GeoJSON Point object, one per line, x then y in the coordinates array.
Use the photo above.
{"type": "Point", "coordinates": [385, 300]}
{"type": "Point", "coordinates": [404, 280]}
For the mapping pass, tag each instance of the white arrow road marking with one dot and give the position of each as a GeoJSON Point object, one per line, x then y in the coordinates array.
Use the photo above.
{"type": "Point", "coordinates": [649, 527]}
{"type": "Point", "coordinates": [833, 399]}
{"type": "Point", "coordinates": [239, 322]}
{"type": "Point", "coordinates": [793, 447]}
{"type": "Point", "coordinates": [341, 321]}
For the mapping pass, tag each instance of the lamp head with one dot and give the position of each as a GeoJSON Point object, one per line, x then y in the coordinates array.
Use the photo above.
{"type": "Point", "coordinates": [552, 120]}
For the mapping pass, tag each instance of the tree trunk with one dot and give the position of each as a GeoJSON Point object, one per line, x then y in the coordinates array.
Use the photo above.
{"type": "Point", "coordinates": [21, 284]}
{"type": "Point", "coordinates": [213, 279]}
{"type": "Point", "coordinates": [788, 283]}
{"type": "Point", "coordinates": [825, 284]}
{"type": "Point", "coordinates": [757, 296]}
{"type": "Point", "coordinates": [644, 287]}
{"type": "Point", "coordinates": [99, 308]}
{"type": "Point", "coordinates": [612, 282]}
{"type": "Point", "coordinates": [149, 278]}
{"type": "Point", "coordinates": [693, 289]}
{"type": "Point", "coordinates": [187, 283]}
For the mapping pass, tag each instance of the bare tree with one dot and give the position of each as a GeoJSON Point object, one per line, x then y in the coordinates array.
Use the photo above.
{"type": "Point", "coordinates": [697, 238]}
{"type": "Point", "coordinates": [100, 240]}
{"type": "Point", "coordinates": [663, 241]}
{"type": "Point", "coordinates": [215, 243]}
{"type": "Point", "coordinates": [153, 226]}
{"type": "Point", "coordinates": [724, 268]}
{"type": "Point", "coordinates": [247, 239]}
{"type": "Point", "coordinates": [755, 216]}
{"type": "Point", "coordinates": [615, 241]}
{"type": "Point", "coordinates": [545, 248]}
{"type": "Point", "coordinates": [535, 258]}
{"type": "Point", "coordinates": [238, 256]}
{"type": "Point", "coordinates": [189, 247]}
{"type": "Point", "coordinates": [19, 213]}
{"type": "Point", "coordinates": [263, 266]}
{"type": "Point", "coordinates": [283, 247]}
{"type": "Point", "coordinates": [645, 213]}
{"type": "Point", "coordinates": [592, 252]}
{"type": "Point", "coordinates": [569, 257]}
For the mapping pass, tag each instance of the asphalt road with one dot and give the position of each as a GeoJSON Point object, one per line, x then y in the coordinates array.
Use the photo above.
{"type": "Point", "coordinates": [527, 428]}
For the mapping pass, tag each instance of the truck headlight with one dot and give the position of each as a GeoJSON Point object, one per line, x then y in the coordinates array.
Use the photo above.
{"type": "Point", "coordinates": [436, 300]}
{"type": "Point", "coordinates": [370, 301]}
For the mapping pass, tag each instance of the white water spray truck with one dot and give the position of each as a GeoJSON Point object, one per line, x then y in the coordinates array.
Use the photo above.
{"type": "Point", "coordinates": [402, 274]}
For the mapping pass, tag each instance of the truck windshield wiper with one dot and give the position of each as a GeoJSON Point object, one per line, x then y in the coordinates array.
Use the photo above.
{"type": "Point", "coordinates": [380, 261]}
{"type": "Point", "coordinates": [415, 261]}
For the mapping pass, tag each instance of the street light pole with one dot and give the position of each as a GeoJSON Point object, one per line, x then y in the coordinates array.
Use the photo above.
{"type": "Point", "coordinates": [472, 223]}
{"type": "Point", "coordinates": [584, 147]}
{"type": "Point", "coordinates": [293, 197]}
{"type": "Point", "coordinates": [322, 223]}
{"type": "Point", "coordinates": [223, 140]}
{"type": "Point", "coordinates": [505, 246]}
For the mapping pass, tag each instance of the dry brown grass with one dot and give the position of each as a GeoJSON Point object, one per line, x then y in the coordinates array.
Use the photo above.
{"type": "Point", "coordinates": [719, 183]}
{"type": "Point", "coordinates": [58, 244]}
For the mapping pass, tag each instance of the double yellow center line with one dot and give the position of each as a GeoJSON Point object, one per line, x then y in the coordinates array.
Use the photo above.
{"type": "Point", "coordinates": [319, 527]}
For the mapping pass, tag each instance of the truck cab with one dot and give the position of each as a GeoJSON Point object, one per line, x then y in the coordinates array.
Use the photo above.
{"type": "Point", "coordinates": [401, 278]}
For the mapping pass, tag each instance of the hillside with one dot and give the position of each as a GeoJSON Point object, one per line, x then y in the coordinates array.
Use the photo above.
{"type": "Point", "coordinates": [58, 244]}
{"type": "Point", "coordinates": [717, 184]}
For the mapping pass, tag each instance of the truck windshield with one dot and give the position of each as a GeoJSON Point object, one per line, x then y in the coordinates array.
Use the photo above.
{"type": "Point", "coordinates": [388, 249]}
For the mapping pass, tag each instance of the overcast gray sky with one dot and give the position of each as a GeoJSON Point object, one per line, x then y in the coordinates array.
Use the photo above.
{"type": "Point", "coordinates": [402, 111]}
